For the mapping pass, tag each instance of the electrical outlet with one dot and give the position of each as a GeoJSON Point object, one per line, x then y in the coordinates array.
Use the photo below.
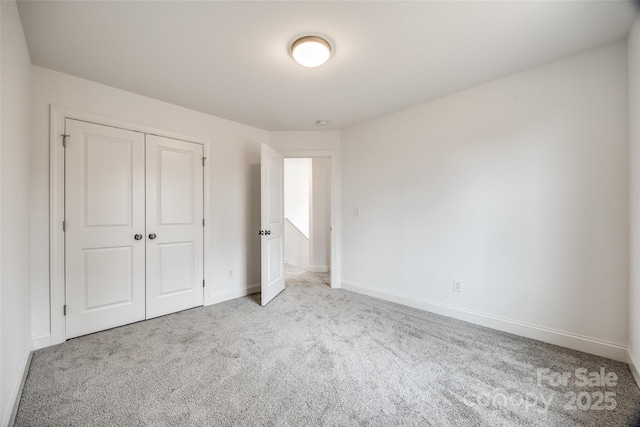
{"type": "Point", "coordinates": [230, 274]}
{"type": "Point", "coordinates": [457, 285]}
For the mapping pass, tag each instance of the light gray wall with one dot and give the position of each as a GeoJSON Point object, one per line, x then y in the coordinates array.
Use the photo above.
{"type": "Point", "coordinates": [320, 251]}
{"type": "Point", "coordinates": [519, 188]}
{"type": "Point", "coordinates": [233, 186]}
{"type": "Point", "coordinates": [14, 278]}
{"type": "Point", "coordinates": [633, 47]}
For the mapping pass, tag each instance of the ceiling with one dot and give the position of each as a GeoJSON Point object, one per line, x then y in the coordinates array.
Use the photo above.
{"type": "Point", "coordinates": [231, 59]}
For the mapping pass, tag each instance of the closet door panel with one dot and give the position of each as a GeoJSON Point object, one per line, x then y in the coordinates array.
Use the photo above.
{"type": "Point", "coordinates": [104, 210]}
{"type": "Point", "coordinates": [175, 234]}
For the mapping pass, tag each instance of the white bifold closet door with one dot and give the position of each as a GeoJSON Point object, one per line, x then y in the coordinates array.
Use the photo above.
{"type": "Point", "coordinates": [133, 227]}
{"type": "Point", "coordinates": [174, 226]}
{"type": "Point", "coordinates": [104, 210]}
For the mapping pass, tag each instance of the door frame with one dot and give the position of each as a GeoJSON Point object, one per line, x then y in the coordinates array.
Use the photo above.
{"type": "Point", "coordinates": [334, 155]}
{"type": "Point", "coordinates": [57, 116]}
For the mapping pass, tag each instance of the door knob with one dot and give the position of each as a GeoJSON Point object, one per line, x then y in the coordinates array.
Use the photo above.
{"type": "Point", "coordinates": [260, 233]}
{"type": "Point", "coordinates": [138, 237]}
{"type": "Point", "coordinates": [268, 232]}
{"type": "Point", "coordinates": [152, 236]}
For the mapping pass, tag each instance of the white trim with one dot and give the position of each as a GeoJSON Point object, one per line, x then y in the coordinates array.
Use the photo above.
{"type": "Point", "coordinates": [319, 268]}
{"type": "Point", "coordinates": [41, 341]}
{"type": "Point", "coordinates": [207, 227]}
{"type": "Point", "coordinates": [57, 117]}
{"type": "Point", "coordinates": [586, 344]}
{"type": "Point", "coordinates": [634, 366]}
{"type": "Point", "coordinates": [1, 150]}
{"type": "Point", "coordinates": [311, 238]}
{"type": "Point", "coordinates": [56, 216]}
{"type": "Point", "coordinates": [336, 230]}
{"type": "Point", "coordinates": [229, 294]}
{"type": "Point", "coordinates": [14, 398]}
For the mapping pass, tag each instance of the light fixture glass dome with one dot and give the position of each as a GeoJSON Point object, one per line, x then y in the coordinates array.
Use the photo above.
{"type": "Point", "coordinates": [311, 51]}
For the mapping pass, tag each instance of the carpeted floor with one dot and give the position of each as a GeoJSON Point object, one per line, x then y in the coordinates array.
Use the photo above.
{"type": "Point", "coordinates": [316, 356]}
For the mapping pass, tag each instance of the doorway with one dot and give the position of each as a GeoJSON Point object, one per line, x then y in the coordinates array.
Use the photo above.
{"type": "Point", "coordinates": [307, 192]}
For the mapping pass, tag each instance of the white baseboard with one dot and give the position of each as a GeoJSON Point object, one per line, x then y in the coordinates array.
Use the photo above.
{"type": "Point", "coordinates": [319, 268]}
{"type": "Point", "coordinates": [634, 365]}
{"type": "Point", "coordinates": [16, 393]}
{"type": "Point", "coordinates": [552, 336]}
{"type": "Point", "coordinates": [230, 294]}
{"type": "Point", "coordinates": [41, 341]}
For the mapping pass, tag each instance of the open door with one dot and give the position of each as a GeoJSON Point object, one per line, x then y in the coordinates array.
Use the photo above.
{"type": "Point", "coordinates": [271, 223]}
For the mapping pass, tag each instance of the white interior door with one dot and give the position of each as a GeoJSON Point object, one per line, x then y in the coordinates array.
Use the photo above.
{"type": "Point", "coordinates": [104, 211]}
{"type": "Point", "coordinates": [271, 223]}
{"type": "Point", "coordinates": [175, 225]}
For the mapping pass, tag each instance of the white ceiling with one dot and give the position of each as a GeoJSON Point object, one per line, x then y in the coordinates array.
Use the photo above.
{"type": "Point", "coordinates": [231, 59]}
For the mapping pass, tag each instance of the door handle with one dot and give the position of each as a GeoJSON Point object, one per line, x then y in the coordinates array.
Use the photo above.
{"type": "Point", "coordinates": [260, 233]}
{"type": "Point", "coordinates": [138, 237]}
{"type": "Point", "coordinates": [152, 236]}
{"type": "Point", "coordinates": [267, 232]}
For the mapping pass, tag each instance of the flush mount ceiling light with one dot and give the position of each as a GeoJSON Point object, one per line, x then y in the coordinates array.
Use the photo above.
{"type": "Point", "coordinates": [311, 51]}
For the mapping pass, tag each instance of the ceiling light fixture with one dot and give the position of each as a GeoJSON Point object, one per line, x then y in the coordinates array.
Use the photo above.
{"type": "Point", "coordinates": [311, 51]}
{"type": "Point", "coordinates": [322, 123]}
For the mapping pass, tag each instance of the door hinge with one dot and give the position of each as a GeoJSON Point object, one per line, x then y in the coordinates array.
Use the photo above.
{"type": "Point", "coordinates": [64, 140]}
{"type": "Point", "coordinates": [203, 159]}
{"type": "Point", "coordinates": [64, 226]}
{"type": "Point", "coordinates": [64, 309]}
{"type": "Point", "coordinates": [203, 283]}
